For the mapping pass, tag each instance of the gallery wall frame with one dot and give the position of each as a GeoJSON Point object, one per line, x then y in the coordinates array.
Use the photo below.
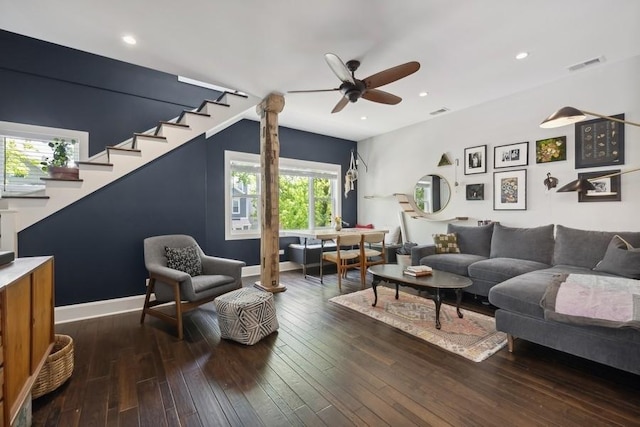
{"type": "Point", "coordinates": [510, 155]}
{"type": "Point", "coordinates": [474, 191]}
{"type": "Point", "coordinates": [607, 189]}
{"type": "Point", "coordinates": [551, 149]}
{"type": "Point", "coordinates": [510, 190]}
{"type": "Point", "coordinates": [599, 142]}
{"type": "Point", "coordinates": [475, 160]}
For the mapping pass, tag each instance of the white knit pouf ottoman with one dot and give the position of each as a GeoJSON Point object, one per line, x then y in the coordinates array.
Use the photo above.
{"type": "Point", "coordinates": [246, 315]}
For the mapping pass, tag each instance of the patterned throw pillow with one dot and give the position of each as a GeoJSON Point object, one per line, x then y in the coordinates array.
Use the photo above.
{"type": "Point", "coordinates": [184, 259]}
{"type": "Point", "coordinates": [446, 243]}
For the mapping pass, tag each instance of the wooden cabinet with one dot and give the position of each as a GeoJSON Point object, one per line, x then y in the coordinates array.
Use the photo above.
{"type": "Point", "coordinates": [27, 329]}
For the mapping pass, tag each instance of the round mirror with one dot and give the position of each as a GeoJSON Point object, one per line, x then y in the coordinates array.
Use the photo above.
{"type": "Point", "coordinates": [432, 193]}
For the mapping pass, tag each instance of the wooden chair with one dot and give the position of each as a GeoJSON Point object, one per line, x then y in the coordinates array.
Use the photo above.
{"type": "Point", "coordinates": [371, 256]}
{"type": "Point", "coordinates": [345, 259]}
{"type": "Point", "coordinates": [217, 276]}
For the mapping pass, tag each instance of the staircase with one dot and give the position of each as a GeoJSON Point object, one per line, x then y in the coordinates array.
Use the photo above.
{"type": "Point", "coordinates": [18, 213]}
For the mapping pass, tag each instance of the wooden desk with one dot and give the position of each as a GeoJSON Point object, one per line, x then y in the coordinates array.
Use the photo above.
{"type": "Point", "coordinates": [324, 234]}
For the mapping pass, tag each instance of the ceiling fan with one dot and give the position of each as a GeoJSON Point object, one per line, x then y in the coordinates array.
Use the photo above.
{"type": "Point", "coordinates": [353, 89]}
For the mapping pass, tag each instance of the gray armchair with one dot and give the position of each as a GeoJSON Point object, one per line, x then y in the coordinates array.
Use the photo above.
{"type": "Point", "coordinates": [215, 276]}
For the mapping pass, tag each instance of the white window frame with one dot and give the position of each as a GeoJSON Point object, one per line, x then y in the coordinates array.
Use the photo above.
{"type": "Point", "coordinates": [44, 133]}
{"type": "Point", "coordinates": [285, 163]}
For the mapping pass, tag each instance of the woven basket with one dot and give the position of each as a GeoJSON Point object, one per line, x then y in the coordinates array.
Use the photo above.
{"type": "Point", "coordinates": [57, 369]}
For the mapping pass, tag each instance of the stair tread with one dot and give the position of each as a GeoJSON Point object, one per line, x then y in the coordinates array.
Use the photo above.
{"type": "Point", "coordinates": [149, 135]}
{"type": "Point", "coordinates": [95, 163]}
{"type": "Point", "coordinates": [211, 101]}
{"type": "Point", "coordinates": [197, 113]}
{"type": "Point", "coordinates": [63, 179]}
{"type": "Point", "coordinates": [133, 150]}
{"type": "Point", "coordinates": [241, 95]}
{"type": "Point", "coordinates": [17, 196]}
{"type": "Point", "coordinates": [162, 122]}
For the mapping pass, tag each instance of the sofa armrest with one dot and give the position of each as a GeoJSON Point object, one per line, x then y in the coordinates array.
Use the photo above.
{"type": "Point", "coordinates": [421, 251]}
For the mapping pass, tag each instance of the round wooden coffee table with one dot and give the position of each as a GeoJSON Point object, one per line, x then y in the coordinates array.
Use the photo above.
{"type": "Point", "coordinates": [431, 284]}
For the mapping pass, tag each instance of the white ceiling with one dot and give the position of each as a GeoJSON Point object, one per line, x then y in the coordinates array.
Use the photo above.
{"type": "Point", "coordinates": [466, 47]}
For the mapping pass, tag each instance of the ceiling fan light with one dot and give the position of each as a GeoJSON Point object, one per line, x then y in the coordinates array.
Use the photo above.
{"type": "Point", "coordinates": [562, 117]}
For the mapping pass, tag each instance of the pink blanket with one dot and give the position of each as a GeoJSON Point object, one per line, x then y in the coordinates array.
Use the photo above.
{"type": "Point", "coordinates": [594, 300]}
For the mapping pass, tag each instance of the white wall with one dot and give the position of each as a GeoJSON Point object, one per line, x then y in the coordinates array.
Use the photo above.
{"type": "Point", "coordinates": [398, 159]}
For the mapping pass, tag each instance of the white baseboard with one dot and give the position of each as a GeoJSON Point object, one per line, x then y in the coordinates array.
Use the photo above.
{"type": "Point", "coordinates": [90, 310]}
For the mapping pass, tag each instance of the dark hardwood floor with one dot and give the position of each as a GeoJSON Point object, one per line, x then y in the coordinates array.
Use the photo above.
{"type": "Point", "coordinates": [327, 365]}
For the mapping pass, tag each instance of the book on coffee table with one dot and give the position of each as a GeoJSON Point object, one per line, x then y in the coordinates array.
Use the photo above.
{"type": "Point", "coordinates": [417, 273]}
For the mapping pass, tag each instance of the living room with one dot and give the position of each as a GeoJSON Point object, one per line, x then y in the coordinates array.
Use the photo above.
{"type": "Point", "coordinates": [183, 193]}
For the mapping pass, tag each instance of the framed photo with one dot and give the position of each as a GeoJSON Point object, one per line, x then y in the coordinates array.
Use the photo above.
{"type": "Point", "coordinates": [607, 189]}
{"type": "Point", "coordinates": [506, 156]}
{"type": "Point", "coordinates": [475, 191]}
{"type": "Point", "coordinates": [599, 142]}
{"type": "Point", "coordinates": [510, 190]}
{"type": "Point", "coordinates": [551, 149]}
{"type": "Point", "coordinates": [475, 160]}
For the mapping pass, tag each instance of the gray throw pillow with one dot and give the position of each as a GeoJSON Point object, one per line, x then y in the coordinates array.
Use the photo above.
{"type": "Point", "coordinates": [621, 258]}
{"type": "Point", "coordinates": [533, 244]}
{"type": "Point", "coordinates": [473, 240]}
{"type": "Point", "coordinates": [184, 259]}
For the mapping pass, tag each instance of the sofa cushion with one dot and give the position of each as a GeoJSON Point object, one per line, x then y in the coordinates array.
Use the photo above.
{"type": "Point", "coordinates": [533, 244]}
{"type": "Point", "coordinates": [584, 248]}
{"type": "Point", "coordinates": [453, 263]}
{"type": "Point", "coordinates": [497, 270]}
{"type": "Point", "coordinates": [446, 243]}
{"type": "Point", "coordinates": [184, 259]}
{"type": "Point", "coordinates": [522, 294]}
{"type": "Point", "coordinates": [621, 258]}
{"type": "Point", "coordinates": [473, 240]}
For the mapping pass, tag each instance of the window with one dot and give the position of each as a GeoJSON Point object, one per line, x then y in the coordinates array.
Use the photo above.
{"type": "Point", "coordinates": [23, 148]}
{"type": "Point", "coordinates": [309, 194]}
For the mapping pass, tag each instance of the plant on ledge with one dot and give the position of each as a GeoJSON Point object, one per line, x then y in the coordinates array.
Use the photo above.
{"type": "Point", "coordinates": [58, 166]}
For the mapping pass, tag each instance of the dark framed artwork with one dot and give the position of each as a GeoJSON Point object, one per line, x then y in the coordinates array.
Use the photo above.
{"type": "Point", "coordinates": [600, 142]}
{"type": "Point", "coordinates": [475, 191]}
{"type": "Point", "coordinates": [551, 149]}
{"type": "Point", "coordinates": [506, 156]}
{"type": "Point", "coordinates": [607, 189]}
{"type": "Point", "coordinates": [475, 160]}
{"type": "Point", "coordinates": [510, 190]}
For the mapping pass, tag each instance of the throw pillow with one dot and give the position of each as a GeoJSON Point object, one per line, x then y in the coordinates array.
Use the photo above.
{"type": "Point", "coordinates": [446, 243]}
{"type": "Point", "coordinates": [393, 236]}
{"type": "Point", "coordinates": [621, 259]}
{"type": "Point", "coordinates": [184, 259]}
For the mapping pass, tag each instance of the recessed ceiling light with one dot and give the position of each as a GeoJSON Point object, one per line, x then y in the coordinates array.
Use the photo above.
{"type": "Point", "coordinates": [423, 94]}
{"type": "Point", "coordinates": [363, 118]}
{"type": "Point", "coordinates": [129, 40]}
{"type": "Point", "coordinates": [522, 55]}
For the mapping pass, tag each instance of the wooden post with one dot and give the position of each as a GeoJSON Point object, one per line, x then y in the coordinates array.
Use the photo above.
{"type": "Point", "coordinates": [268, 110]}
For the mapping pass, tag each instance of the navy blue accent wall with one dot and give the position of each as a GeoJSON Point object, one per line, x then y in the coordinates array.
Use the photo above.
{"type": "Point", "coordinates": [97, 241]}
{"type": "Point", "coordinates": [50, 85]}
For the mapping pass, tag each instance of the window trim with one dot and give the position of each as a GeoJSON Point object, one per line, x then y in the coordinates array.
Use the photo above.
{"type": "Point", "coordinates": [26, 131]}
{"type": "Point", "coordinates": [284, 163]}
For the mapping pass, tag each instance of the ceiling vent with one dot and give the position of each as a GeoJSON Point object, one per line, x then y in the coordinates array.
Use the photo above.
{"type": "Point", "coordinates": [586, 63]}
{"type": "Point", "coordinates": [440, 111]}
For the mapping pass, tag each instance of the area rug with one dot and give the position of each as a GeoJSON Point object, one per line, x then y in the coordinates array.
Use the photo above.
{"type": "Point", "coordinates": [473, 337]}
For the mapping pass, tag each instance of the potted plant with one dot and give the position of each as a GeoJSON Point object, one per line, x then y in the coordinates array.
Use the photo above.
{"type": "Point", "coordinates": [58, 166]}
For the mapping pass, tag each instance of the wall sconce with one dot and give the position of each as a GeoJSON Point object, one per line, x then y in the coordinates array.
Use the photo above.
{"type": "Point", "coordinates": [550, 182]}
{"type": "Point", "coordinates": [585, 185]}
{"type": "Point", "coordinates": [569, 115]}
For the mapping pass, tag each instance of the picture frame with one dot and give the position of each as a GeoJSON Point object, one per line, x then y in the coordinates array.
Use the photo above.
{"type": "Point", "coordinates": [599, 142]}
{"type": "Point", "coordinates": [474, 191]}
{"type": "Point", "coordinates": [510, 190]}
{"type": "Point", "coordinates": [510, 155]}
{"type": "Point", "coordinates": [475, 160]}
{"type": "Point", "coordinates": [551, 149]}
{"type": "Point", "coordinates": [607, 189]}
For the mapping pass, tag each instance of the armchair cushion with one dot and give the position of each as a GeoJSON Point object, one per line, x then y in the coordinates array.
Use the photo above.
{"type": "Point", "coordinates": [184, 259]}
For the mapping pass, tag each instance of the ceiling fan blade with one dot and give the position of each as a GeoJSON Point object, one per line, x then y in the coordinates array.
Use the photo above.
{"type": "Point", "coordinates": [338, 67]}
{"type": "Point", "coordinates": [391, 75]}
{"type": "Point", "coordinates": [377, 95]}
{"type": "Point", "coordinates": [340, 105]}
{"type": "Point", "coordinates": [313, 90]}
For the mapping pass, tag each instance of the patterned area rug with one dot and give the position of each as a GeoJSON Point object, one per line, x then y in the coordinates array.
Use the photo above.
{"type": "Point", "coordinates": [474, 336]}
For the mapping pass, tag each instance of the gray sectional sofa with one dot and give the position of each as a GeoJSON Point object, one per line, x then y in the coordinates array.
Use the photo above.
{"type": "Point", "coordinates": [515, 266]}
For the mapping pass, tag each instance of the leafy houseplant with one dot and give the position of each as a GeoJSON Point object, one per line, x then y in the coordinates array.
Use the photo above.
{"type": "Point", "coordinates": [58, 165]}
